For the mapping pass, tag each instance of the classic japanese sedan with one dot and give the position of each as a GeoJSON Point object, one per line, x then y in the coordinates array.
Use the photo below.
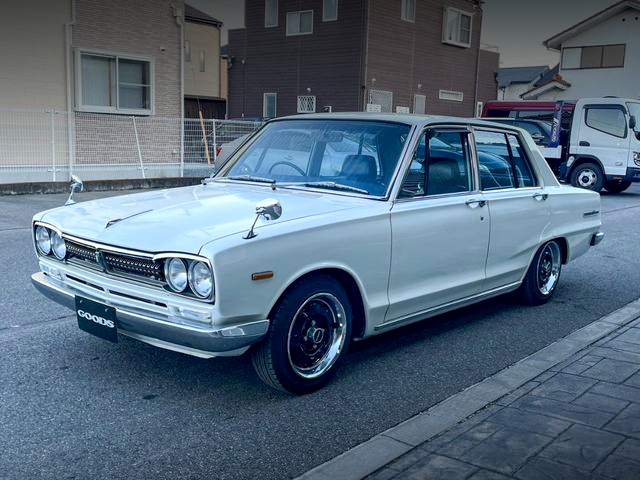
{"type": "Point", "coordinates": [320, 230]}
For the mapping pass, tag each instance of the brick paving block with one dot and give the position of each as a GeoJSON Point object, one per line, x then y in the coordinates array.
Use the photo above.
{"type": "Point", "coordinates": [630, 448]}
{"type": "Point", "coordinates": [580, 365]}
{"type": "Point", "coordinates": [632, 336]}
{"type": "Point", "coordinates": [563, 410]}
{"type": "Point", "coordinates": [620, 468]}
{"type": "Point", "coordinates": [468, 440]}
{"type": "Point", "coordinates": [633, 381]}
{"type": "Point", "coordinates": [383, 474]}
{"type": "Point", "coordinates": [582, 447]}
{"type": "Point", "coordinates": [617, 350]}
{"type": "Point", "coordinates": [612, 370]}
{"type": "Point", "coordinates": [506, 450]}
{"type": "Point", "coordinates": [531, 422]}
{"type": "Point", "coordinates": [564, 387]}
{"type": "Point", "coordinates": [438, 467]}
{"type": "Point", "coordinates": [602, 403]}
{"type": "Point", "coordinates": [408, 459]}
{"type": "Point", "coordinates": [516, 394]}
{"type": "Point", "coordinates": [627, 422]}
{"type": "Point", "coordinates": [623, 392]}
{"type": "Point", "coordinates": [487, 475]}
{"type": "Point", "coordinates": [539, 468]}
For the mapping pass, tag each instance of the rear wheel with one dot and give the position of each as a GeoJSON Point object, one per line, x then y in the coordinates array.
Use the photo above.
{"type": "Point", "coordinates": [542, 277]}
{"type": "Point", "coordinates": [589, 176]}
{"type": "Point", "coordinates": [308, 336]}
{"type": "Point", "coordinates": [616, 186]}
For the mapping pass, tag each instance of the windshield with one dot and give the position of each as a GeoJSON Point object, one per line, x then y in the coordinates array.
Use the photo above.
{"type": "Point", "coordinates": [356, 156]}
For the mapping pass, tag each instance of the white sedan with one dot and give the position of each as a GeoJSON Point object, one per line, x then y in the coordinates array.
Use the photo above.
{"type": "Point", "coordinates": [320, 230]}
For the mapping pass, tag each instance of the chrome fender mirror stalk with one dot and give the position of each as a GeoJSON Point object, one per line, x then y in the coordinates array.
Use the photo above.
{"type": "Point", "coordinates": [76, 185]}
{"type": "Point", "coordinates": [269, 209]}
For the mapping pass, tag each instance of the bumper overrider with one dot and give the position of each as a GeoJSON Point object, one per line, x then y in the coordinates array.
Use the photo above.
{"type": "Point", "coordinates": [149, 314]}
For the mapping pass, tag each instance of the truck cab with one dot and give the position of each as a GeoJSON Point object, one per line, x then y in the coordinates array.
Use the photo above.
{"type": "Point", "coordinates": [604, 145]}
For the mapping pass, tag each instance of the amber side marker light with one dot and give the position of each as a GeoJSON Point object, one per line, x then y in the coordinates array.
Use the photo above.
{"type": "Point", "coordinates": [261, 275]}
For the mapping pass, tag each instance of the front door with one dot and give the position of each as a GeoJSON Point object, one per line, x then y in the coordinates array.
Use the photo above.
{"type": "Point", "coordinates": [440, 228]}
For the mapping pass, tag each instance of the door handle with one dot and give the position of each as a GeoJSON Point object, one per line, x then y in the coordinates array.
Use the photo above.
{"type": "Point", "coordinates": [475, 203]}
{"type": "Point", "coordinates": [540, 197]}
{"type": "Point", "coordinates": [583, 143]}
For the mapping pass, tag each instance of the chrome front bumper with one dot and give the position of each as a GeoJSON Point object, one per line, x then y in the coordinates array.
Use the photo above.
{"type": "Point", "coordinates": [204, 341]}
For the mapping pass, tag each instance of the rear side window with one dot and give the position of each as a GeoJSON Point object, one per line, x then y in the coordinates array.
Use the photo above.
{"type": "Point", "coordinates": [502, 161]}
{"type": "Point", "coordinates": [607, 119]}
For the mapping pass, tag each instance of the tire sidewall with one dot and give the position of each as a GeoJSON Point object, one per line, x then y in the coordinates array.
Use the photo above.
{"type": "Point", "coordinates": [530, 291]}
{"type": "Point", "coordinates": [281, 322]}
{"type": "Point", "coordinates": [588, 166]}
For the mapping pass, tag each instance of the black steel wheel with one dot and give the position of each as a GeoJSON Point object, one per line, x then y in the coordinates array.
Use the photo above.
{"type": "Point", "coordinates": [308, 336]}
{"type": "Point", "coordinates": [543, 275]}
{"type": "Point", "coordinates": [589, 176]}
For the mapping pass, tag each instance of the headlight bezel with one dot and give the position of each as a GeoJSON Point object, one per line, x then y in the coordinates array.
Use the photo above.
{"type": "Point", "coordinates": [39, 234]}
{"type": "Point", "coordinates": [58, 245]}
{"type": "Point", "coordinates": [195, 277]}
{"type": "Point", "coordinates": [174, 268]}
{"type": "Point", "coordinates": [191, 262]}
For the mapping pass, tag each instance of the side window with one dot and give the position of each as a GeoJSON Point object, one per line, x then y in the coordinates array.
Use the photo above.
{"type": "Point", "coordinates": [608, 120]}
{"type": "Point", "coordinates": [502, 161]}
{"type": "Point", "coordinates": [440, 165]}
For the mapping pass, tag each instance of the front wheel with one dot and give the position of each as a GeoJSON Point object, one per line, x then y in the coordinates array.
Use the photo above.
{"type": "Point", "coordinates": [589, 176]}
{"type": "Point", "coordinates": [307, 339]}
{"type": "Point", "coordinates": [616, 186]}
{"type": "Point", "coordinates": [543, 275]}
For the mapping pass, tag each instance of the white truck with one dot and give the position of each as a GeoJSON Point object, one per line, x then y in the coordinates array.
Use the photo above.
{"type": "Point", "coordinates": [592, 143]}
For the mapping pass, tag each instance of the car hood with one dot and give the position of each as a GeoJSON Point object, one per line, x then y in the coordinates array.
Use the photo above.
{"type": "Point", "coordinates": [184, 219]}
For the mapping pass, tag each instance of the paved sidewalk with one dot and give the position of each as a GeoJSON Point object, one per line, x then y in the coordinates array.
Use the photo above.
{"type": "Point", "coordinates": [569, 411]}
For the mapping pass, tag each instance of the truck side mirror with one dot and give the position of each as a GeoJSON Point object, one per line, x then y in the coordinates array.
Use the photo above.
{"type": "Point", "coordinates": [632, 122]}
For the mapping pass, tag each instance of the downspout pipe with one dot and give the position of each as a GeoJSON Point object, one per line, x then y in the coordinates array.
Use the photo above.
{"type": "Point", "coordinates": [68, 55]}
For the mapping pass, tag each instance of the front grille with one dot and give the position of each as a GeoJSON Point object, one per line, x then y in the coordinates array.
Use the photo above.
{"type": "Point", "coordinates": [140, 267]}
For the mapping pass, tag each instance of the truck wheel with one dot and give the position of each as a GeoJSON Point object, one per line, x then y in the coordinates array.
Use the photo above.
{"type": "Point", "coordinates": [307, 338]}
{"type": "Point", "coordinates": [616, 186]}
{"type": "Point", "coordinates": [542, 277]}
{"type": "Point", "coordinates": [589, 176]}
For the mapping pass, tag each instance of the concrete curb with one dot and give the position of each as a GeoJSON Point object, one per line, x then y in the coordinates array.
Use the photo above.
{"type": "Point", "coordinates": [370, 456]}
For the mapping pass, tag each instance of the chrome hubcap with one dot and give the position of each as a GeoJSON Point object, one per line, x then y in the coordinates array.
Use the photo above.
{"type": "Point", "coordinates": [549, 268]}
{"type": "Point", "coordinates": [587, 178]}
{"type": "Point", "coordinates": [316, 335]}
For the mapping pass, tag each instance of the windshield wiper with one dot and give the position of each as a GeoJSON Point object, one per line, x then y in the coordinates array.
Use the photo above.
{"type": "Point", "coordinates": [250, 178]}
{"type": "Point", "coordinates": [332, 186]}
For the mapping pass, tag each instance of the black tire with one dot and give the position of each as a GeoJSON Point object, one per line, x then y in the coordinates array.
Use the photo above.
{"type": "Point", "coordinates": [589, 176]}
{"type": "Point", "coordinates": [308, 336]}
{"type": "Point", "coordinates": [543, 275]}
{"type": "Point", "coordinates": [616, 186]}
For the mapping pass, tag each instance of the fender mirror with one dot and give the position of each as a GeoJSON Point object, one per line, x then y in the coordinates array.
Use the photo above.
{"type": "Point", "coordinates": [76, 185]}
{"type": "Point", "coordinates": [632, 122]}
{"type": "Point", "coordinates": [270, 209]}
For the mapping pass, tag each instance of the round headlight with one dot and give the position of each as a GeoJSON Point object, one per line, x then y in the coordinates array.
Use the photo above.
{"type": "Point", "coordinates": [43, 240]}
{"type": "Point", "coordinates": [175, 271]}
{"type": "Point", "coordinates": [58, 246]}
{"type": "Point", "coordinates": [200, 279]}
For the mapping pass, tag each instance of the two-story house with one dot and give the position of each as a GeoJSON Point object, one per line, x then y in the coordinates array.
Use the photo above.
{"type": "Point", "coordinates": [298, 56]}
{"type": "Point", "coordinates": [599, 56]}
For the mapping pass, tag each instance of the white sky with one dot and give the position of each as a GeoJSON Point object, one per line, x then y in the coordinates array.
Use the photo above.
{"type": "Point", "coordinates": [516, 28]}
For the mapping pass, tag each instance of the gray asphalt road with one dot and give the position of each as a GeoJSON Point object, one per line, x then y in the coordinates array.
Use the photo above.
{"type": "Point", "coordinates": [74, 406]}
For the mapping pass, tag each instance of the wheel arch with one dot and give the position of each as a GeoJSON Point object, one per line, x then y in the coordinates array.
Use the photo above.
{"type": "Point", "coordinates": [351, 287]}
{"type": "Point", "coordinates": [581, 159]}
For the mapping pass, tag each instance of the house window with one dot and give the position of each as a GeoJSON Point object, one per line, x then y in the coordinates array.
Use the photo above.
{"type": "Point", "coordinates": [451, 96]}
{"type": "Point", "coordinates": [596, 56]}
{"type": "Point", "coordinates": [201, 61]}
{"type": "Point", "coordinates": [456, 27]}
{"type": "Point", "coordinates": [329, 10]}
{"type": "Point", "coordinates": [270, 13]}
{"type": "Point", "coordinates": [269, 105]}
{"type": "Point", "coordinates": [114, 83]}
{"type": "Point", "coordinates": [408, 13]}
{"type": "Point", "coordinates": [306, 104]}
{"type": "Point", "coordinates": [300, 23]}
{"type": "Point", "coordinates": [187, 51]}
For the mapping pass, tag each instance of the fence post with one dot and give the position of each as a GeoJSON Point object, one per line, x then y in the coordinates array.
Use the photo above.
{"type": "Point", "coordinates": [53, 143]}
{"type": "Point", "coordinates": [135, 130]}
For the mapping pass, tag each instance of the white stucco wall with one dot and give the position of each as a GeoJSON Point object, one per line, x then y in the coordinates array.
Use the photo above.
{"type": "Point", "coordinates": [623, 28]}
{"type": "Point", "coordinates": [207, 39]}
{"type": "Point", "coordinates": [32, 54]}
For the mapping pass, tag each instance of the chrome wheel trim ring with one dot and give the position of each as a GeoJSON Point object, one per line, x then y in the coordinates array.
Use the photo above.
{"type": "Point", "coordinates": [587, 178]}
{"type": "Point", "coordinates": [548, 268]}
{"type": "Point", "coordinates": [316, 335]}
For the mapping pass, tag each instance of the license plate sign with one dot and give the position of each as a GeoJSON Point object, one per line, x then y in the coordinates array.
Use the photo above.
{"type": "Point", "coordinates": [97, 319]}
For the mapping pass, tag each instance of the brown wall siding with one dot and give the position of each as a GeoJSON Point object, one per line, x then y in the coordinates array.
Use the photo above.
{"type": "Point", "coordinates": [328, 61]}
{"type": "Point", "coordinates": [140, 27]}
{"type": "Point", "coordinates": [416, 55]}
{"type": "Point", "coordinates": [488, 86]}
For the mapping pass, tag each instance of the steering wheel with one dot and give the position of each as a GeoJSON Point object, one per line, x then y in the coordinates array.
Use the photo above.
{"type": "Point", "coordinates": [288, 164]}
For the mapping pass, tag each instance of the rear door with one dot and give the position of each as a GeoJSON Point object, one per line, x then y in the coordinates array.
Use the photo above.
{"type": "Point", "coordinates": [516, 203]}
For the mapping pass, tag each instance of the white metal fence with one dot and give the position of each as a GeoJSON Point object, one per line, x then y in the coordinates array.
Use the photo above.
{"type": "Point", "coordinates": [42, 146]}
